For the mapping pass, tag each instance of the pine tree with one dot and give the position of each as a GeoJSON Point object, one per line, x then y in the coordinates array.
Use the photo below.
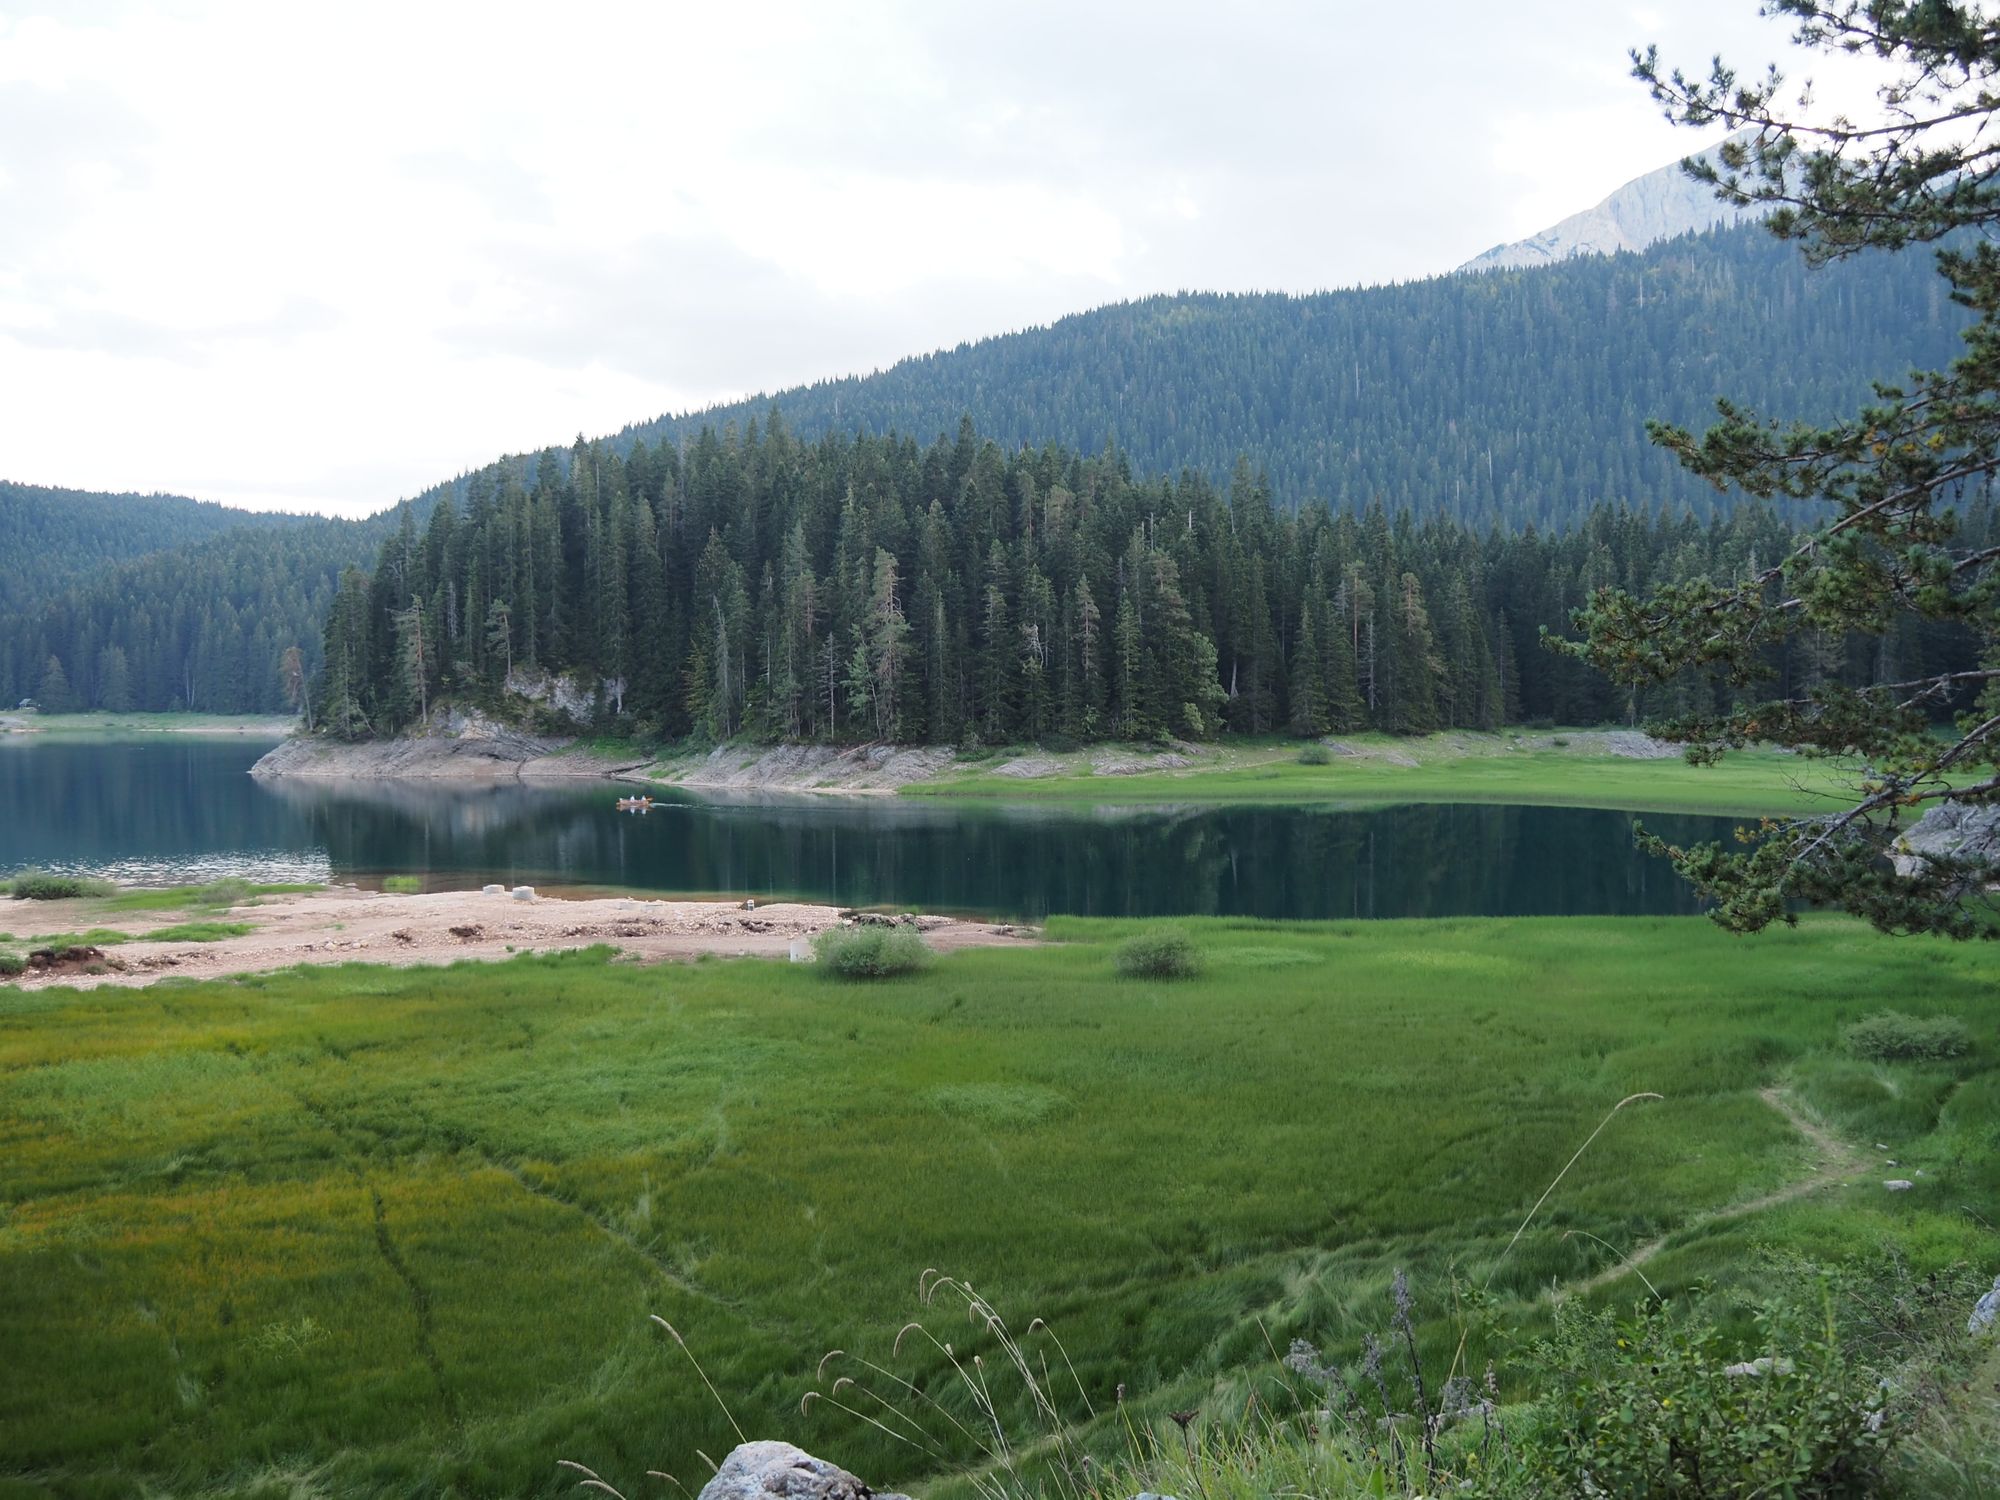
{"type": "Point", "coordinates": [298, 687]}
{"type": "Point", "coordinates": [500, 636]}
{"type": "Point", "coordinates": [53, 697]}
{"type": "Point", "coordinates": [114, 680]}
{"type": "Point", "coordinates": [888, 632]}
{"type": "Point", "coordinates": [414, 659]}
{"type": "Point", "coordinates": [1307, 683]}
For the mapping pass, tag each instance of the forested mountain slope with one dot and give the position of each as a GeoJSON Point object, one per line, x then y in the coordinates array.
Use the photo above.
{"type": "Point", "coordinates": [1509, 398]}
{"type": "Point", "coordinates": [51, 538]}
{"type": "Point", "coordinates": [1503, 400]}
{"type": "Point", "coordinates": [201, 626]}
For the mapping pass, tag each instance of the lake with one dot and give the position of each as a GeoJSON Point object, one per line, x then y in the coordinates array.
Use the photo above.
{"type": "Point", "coordinates": [180, 808]}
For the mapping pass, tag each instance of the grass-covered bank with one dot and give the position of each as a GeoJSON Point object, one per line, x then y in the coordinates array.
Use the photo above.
{"type": "Point", "coordinates": [126, 725]}
{"type": "Point", "coordinates": [399, 1231]}
{"type": "Point", "coordinates": [1533, 768]}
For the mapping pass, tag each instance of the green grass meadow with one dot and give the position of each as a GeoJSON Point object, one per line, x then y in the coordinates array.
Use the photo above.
{"type": "Point", "coordinates": [1448, 768]}
{"type": "Point", "coordinates": [369, 1231]}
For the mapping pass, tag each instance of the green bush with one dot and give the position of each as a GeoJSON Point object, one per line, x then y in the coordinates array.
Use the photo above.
{"type": "Point", "coordinates": [1315, 754]}
{"type": "Point", "coordinates": [402, 885]}
{"type": "Point", "coordinates": [11, 964]}
{"type": "Point", "coordinates": [1165, 953]}
{"type": "Point", "coordinates": [1646, 1407]}
{"type": "Point", "coordinates": [1890, 1036]}
{"type": "Point", "coordinates": [40, 885]}
{"type": "Point", "coordinates": [198, 932]}
{"type": "Point", "coordinates": [870, 952]}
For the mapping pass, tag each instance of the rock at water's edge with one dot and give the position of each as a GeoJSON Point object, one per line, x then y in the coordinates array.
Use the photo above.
{"type": "Point", "coordinates": [779, 1471]}
{"type": "Point", "coordinates": [455, 742]}
{"type": "Point", "coordinates": [1951, 830]}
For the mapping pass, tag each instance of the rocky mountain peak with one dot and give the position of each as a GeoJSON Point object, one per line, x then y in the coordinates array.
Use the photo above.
{"type": "Point", "coordinates": [1655, 207]}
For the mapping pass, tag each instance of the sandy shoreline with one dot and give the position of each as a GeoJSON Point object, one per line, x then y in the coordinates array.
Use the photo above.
{"type": "Point", "coordinates": [344, 925]}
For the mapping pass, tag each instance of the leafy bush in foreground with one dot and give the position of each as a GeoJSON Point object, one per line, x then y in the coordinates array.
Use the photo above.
{"type": "Point", "coordinates": [1891, 1036]}
{"type": "Point", "coordinates": [1315, 754]}
{"type": "Point", "coordinates": [1649, 1407]}
{"type": "Point", "coordinates": [11, 964]}
{"type": "Point", "coordinates": [1661, 1404]}
{"type": "Point", "coordinates": [870, 952]}
{"type": "Point", "coordinates": [40, 885]}
{"type": "Point", "coordinates": [1165, 954]}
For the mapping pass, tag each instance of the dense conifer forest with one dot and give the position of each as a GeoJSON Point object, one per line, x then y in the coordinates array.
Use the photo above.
{"type": "Point", "coordinates": [203, 626]}
{"type": "Point", "coordinates": [50, 538]}
{"type": "Point", "coordinates": [1508, 398]}
{"type": "Point", "coordinates": [870, 588]}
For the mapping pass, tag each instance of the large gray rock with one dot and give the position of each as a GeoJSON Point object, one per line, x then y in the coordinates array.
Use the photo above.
{"type": "Point", "coordinates": [562, 691]}
{"type": "Point", "coordinates": [454, 743]}
{"type": "Point", "coordinates": [1952, 830]}
{"type": "Point", "coordinates": [778, 1471]}
{"type": "Point", "coordinates": [1985, 1311]}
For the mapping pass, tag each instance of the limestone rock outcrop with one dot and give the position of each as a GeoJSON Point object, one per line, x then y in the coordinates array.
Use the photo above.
{"type": "Point", "coordinates": [779, 1471]}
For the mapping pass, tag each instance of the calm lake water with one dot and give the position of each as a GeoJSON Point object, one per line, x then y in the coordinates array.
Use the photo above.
{"type": "Point", "coordinates": [180, 808]}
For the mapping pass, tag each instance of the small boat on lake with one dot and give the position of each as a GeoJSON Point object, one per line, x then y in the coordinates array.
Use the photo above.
{"type": "Point", "coordinates": [635, 804]}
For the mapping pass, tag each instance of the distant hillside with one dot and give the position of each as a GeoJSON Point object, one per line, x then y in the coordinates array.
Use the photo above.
{"type": "Point", "coordinates": [198, 626]}
{"type": "Point", "coordinates": [50, 538]}
{"type": "Point", "coordinates": [1510, 398]}
{"type": "Point", "coordinates": [1658, 206]}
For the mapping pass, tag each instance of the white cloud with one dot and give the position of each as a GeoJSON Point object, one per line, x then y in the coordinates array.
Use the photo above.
{"type": "Point", "coordinates": [326, 257]}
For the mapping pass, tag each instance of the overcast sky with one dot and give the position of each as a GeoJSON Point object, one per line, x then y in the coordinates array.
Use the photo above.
{"type": "Point", "coordinates": [323, 260]}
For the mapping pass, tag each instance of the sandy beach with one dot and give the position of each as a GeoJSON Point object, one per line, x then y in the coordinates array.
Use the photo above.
{"type": "Point", "coordinates": [346, 925]}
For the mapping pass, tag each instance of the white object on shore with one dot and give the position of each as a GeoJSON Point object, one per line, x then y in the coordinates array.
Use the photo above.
{"type": "Point", "coordinates": [493, 890]}
{"type": "Point", "coordinates": [524, 893]}
{"type": "Point", "coordinates": [802, 952]}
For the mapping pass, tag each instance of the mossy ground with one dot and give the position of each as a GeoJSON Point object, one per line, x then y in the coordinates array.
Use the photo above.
{"type": "Point", "coordinates": [397, 1232]}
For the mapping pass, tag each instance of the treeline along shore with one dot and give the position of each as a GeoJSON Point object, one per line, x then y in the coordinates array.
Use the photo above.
{"type": "Point", "coordinates": [869, 589]}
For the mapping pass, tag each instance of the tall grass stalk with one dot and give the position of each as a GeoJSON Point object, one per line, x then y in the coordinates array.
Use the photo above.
{"type": "Point", "coordinates": [675, 1333]}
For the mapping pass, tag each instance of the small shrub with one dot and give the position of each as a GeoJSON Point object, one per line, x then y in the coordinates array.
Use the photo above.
{"type": "Point", "coordinates": [401, 885]}
{"type": "Point", "coordinates": [95, 937]}
{"type": "Point", "coordinates": [1162, 954]}
{"type": "Point", "coordinates": [40, 885]}
{"type": "Point", "coordinates": [1315, 754]}
{"type": "Point", "coordinates": [1645, 1407]}
{"type": "Point", "coordinates": [198, 932]}
{"type": "Point", "coordinates": [1560, 742]}
{"type": "Point", "coordinates": [1890, 1036]}
{"type": "Point", "coordinates": [11, 964]}
{"type": "Point", "coordinates": [870, 952]}
{"type": "Point", "coordinates": [228, 891]}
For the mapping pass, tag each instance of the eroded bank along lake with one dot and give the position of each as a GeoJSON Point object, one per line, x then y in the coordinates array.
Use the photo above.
{"type": "Point", "coordinates": [159, 811]}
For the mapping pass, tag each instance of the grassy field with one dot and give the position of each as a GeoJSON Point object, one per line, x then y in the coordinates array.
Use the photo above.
{"type": "Point", "coordinates": [1534, 769]}
{"type": "Point", "coordinates": [124, 725]}
{"type": "Point", "coordinates": [364, 1231]}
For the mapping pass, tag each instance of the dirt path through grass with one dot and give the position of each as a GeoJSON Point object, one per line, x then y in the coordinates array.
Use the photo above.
{"type": "Point", "coordinates": [1835, 1161]}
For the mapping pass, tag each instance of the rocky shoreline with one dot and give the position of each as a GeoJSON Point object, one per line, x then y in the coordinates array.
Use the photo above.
{"type": "Point", "coordinates": [458, 745]}
{"type": "Point", "coordinates": [466, 745]}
